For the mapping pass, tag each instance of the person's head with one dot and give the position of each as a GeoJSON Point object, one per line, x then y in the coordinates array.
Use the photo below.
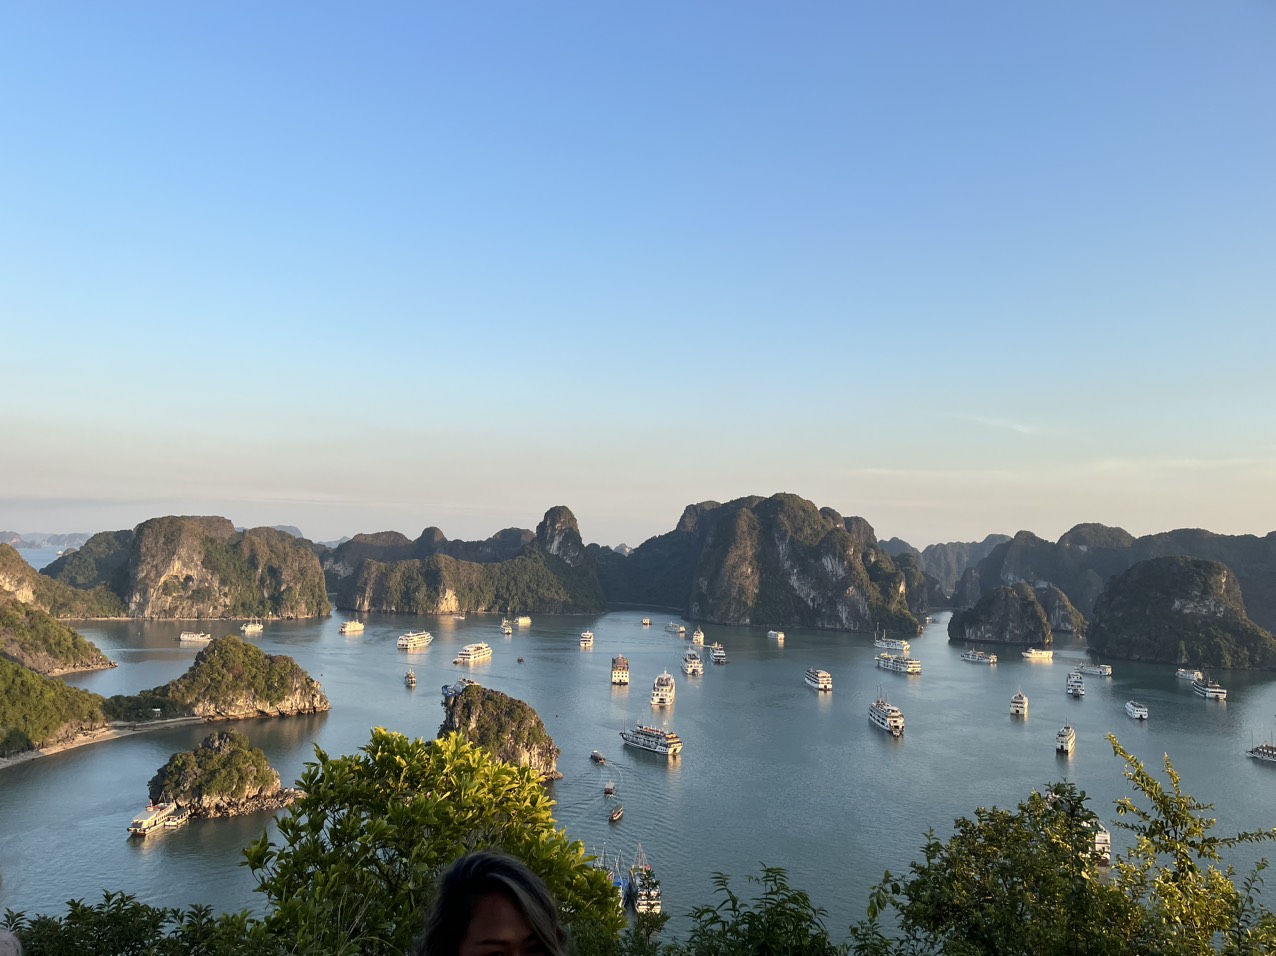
{"type": "Point", "coordinates": [9, 945]}
{"type": "Point", "coordinates": [490, 904]}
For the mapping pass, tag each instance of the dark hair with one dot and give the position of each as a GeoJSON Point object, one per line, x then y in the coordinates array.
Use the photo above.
{"type": "Point", "coordinates": [476, 875]}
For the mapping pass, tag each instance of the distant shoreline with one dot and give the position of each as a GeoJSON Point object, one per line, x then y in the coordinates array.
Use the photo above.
{"type": "Point", "coordinates": [113, 731]}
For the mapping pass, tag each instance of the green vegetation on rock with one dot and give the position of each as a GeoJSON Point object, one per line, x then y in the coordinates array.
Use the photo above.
{"type": "Point", "coordinates": [35, 639]}
{"type": "Point", "coordinates": [61, 600]}
{"type": "Point", "coordinates": [508, 728]}
{"type": "Point", "coordinates": [36, 710]}
{"type": "Point", "coordinates": [224, 766]}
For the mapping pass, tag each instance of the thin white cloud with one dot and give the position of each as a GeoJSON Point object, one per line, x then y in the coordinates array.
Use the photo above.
{"type": "Point", "coordinates": [1002, 423]}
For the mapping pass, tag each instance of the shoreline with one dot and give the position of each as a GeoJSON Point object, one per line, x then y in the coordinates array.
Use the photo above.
{"type": "Point", "coordinates": [112, 731]}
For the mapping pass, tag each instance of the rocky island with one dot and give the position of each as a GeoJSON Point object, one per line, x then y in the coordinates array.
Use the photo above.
{"type": "Point", "coordinates": [506, 727]}
{"type": "Point", "coordinates": [34, 638]}
{"type": "Point", "coordinates": [36, 711]}
{"type": "Point", "coordinates": [224, 776]}
{"type": "Point", "coordinates": [1019, 614]}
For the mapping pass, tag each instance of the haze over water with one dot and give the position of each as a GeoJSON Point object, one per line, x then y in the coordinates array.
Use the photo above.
{"type": "Point", "coordinates": [772, 773]}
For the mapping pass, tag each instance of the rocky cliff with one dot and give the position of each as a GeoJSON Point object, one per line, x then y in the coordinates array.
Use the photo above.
{"type": "Point", "coordinates": [35, 639]}
{"type": "Point", "coordinates": [1008, 615]}
{"type": "Point", "coordinates": [1179, 610]}
{"type": "Point", "coordinates": [224, 776]}
{"type": "Point", "coordinates": [508, 728]}
{"type": "Point", "coordinates": [201, 567]}
{"type": "Point", "coordinates": [23, 583]}
{"type": "Point", "coordinates": [230, 680]}
{"type": "Point", "coordinates": [386, 547]}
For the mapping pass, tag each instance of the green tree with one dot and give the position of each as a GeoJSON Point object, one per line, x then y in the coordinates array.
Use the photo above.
{"type": "Point", "coordinates": [361, 852]}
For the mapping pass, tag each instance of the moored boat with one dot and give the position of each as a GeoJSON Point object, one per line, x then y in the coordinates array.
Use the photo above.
{"type": "Point", "coordinates": [777, 635]}
{"type": "Point", "coordinates": [1189, 673]}
{"type": "Point", "coordinates": [717, 653]}
{"type": "Point", "coordinates": [414, 639]}
{"type": "Point", "coordinates": [620, 671]}
{"type": "Point", "coordinates": [252, 627]}
{"type": "Point", "coordinates": [882, 713]}
{"type": "Point", "coordinates": [1265, 752]}
{"type": "Point", "coordinates": [1209, 689]}
{"type": "Point", "coordinates": [473, 653]}
{"type": "Point", "coordinates": [692, 665]}
{"type": "Point", "coordinates": [1098, 670]}
{"type": "Point", "coordinates": [152, 818]}
{"type": "Point", "coordinates": [586, 639]}
{"type": "Point", "coordinates": [646, 622]}
{"type": "Point", "coordinates": [891, 644]}
{"type": "Point", "coordinates": [820, 680]}
{"type": "Point", "coordinates": [523, 621]}
{"type": "Point", "coordinates": [1066, 739]}
{"type": "Point", "coordinates": [351, 627]}
{"type": "Point", "coordinates": [1036, 654]}
{"type": "Point", "coordinates": [663, 742]}
{"type": "Point", "coordinates": [195, 637]}
{"type": "Point", "coordinates": [972, 656]}
{"type": "Point", "coordinates": [697, 637]}
{"type": "Point", "coordinates": [1136, 710]}
{"type": "Point", "coordinates": [901, 665]}
{"type": "Point", "coordinates": [663, 690]}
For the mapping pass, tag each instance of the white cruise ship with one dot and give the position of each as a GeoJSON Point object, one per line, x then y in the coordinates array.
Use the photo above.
{"type": "Point", "coordinates": [351, 627]}
{"type": "Point", "coordinates": [663, 690]}
{"type": "Point", "coordinates": [507, 628]}
{"type": "Point", "coordinates": [1097, 670]}
{"type": "Point", "coordinates": [1065, 739]}
{"type": "Point", "coordinates": [195, 637]}
{"type": "Point", "coordinates": [1187, 673]}
{"type": "Point", "coordinates": [1075, 686]}
{"type": "Point", "coordinates": [901, 665]}
{"type": "Point", "coordinates": [882, 713]}
{"type": "Point", "coordinates": [1019, 705]}
{"type": "Point", "coordinates": [620, 671]}
{"type": "Point", "coordinates": [1136, 710]}
{"type": "Point", "coordinates": [890, 644]}
{"type": "Point", "coordinates": [1209, 689]}
{"type": "Point", "coordinates": [820, 680]}
{"type": "Point", "coordinates": [586, 638]}
{"type": "Point", "coordinates": [1035, 654]}
{"type": "Point", "coordinates": [676, 628]}
{"type": "Point", "coordinates": [697, 637]}
{"type": "Point", "coordinates": [972, 656]}
{"type": "Point", "coordinates": [414, 639]}
{"type": "Point", "coordinates": [718, 653]}
{"type": "Point", "coordinates": [473, 653]}
{"type": "Point", "coordinates": [777, 635]}
{"type": "Point", "coordinates": [252, 627]}
{"type": "Point", "coordinates": [658, 741]}
{"type": "Point", "coordinates": [523, 621]}
{"type": "Point", "coordinates": [457, 689]}
{"type": "Point", "coordinates": [153, 818]}
{"type": "Point", "coordinates": [410, 678]}
{"type": "Point", "coordinates": [692, 665]}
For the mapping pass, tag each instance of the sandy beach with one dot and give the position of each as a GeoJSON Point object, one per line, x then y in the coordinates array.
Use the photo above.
{"type": "Point", "coordinates": [113, 731]}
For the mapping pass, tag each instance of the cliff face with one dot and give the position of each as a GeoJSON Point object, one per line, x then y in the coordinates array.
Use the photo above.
{"type": "Point", "coordinates": [189, 568]}
{"type": "Point", "coordinates": [223, 777]}
{"type": "Point", "coordinates": [1179, 610]}
{"type": "Point", "coordinates": [1009, 615]}
{"type": "Point", "coordinates": [386, 547]}
{"type": "Point", "coordinates": [947, 562]}
{"type": "Point", "coordinates": [24, 584]}
{"type": "Point", "coordinates": [508, 728]}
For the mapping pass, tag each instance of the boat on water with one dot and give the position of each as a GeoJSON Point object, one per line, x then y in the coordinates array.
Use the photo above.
{"type": "Point", "coordinates": [457, 689]}
{"type": "Point", "coordinates": [252, 627]}
{"type": "Point", "coordinates": [507, 629]}
{"type": "Point", "coordinates": [972, 656]}
{"type": "Point", "coordinates": [609, 788]}
{"type": "Point", "coordinates": [523, 621]}
{"type": "Point", "coordinates": [1265, 752]}
{"type": "Point", "coordinates": [663, 742]}
{"type": "Point", "coordinates": [1036, 654]}
{"type": "Point", "coordinates": [597, 757]}
{"type": "Point", "coordinates": [820, 680]}
{"type": "Point", "coordinates": [776, 635]}
{"type": "Point", "coordinates": [697, 637]}
{"type": "Point", "coordinates": [675, 628]}
{"type": "Point", "coordinates": [646, 622]}
{"type": "Point", "coordinates": [1098, 670]}
{"type": "Point", "coordinates": [663, 690]}
{"type": "Point", "coordinates": [195, 637]}
{"type": "Point", "coordinates": [152, 818]}
{"type": "Point", "coordinates": [718, 653]}
{"type": "Point", "coordinates": [1188, 673]}
{"type": "Point", "coordinates": [1136, 710]}
{"type": "Point", "coordinates": [414, 639]}
{"type": "Point", "coordinates": [1066, 739]}
{"type": "Point", "coordinates": [901, 665]}
{"type": "Point", "coordinates": [620, 671]}
{"type": "Point", "coordinates": [410, 678]}
{"type": "Point", "coordinates": [473, 653]}
{"type": "Point", "coordinates": [882, 713]}
{"type": "Point", "coordinates": [692, 665]}
{"type": "Point", "coordinates": [643, 887]}
{"type": "Point", "coordinates": [586, 638]}
{"type": "Point", "coordinates": [616, 814]}
{"type": "Point", "coordinates": [1209, 689]}
{"type": "Point", "coordinates": [1102, 846]}
{"type": "Point", "coordinates": [891, 644]}
{"type": "Point", "coordinates": [351, 627]}
{"type": "Point", "coordinates": [1019, 705]}
{"type": "Point", "coordinates": [1075, 685]}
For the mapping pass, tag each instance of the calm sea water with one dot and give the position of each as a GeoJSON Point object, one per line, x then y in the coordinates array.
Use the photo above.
{"type": "Point", "coordinates": [773, 772]}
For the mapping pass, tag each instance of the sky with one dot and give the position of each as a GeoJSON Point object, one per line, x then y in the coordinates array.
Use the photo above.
{"type": "Point", "coordinates": [958, 269]}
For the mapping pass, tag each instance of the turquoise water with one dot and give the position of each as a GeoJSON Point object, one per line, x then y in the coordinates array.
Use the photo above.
{"type": "Point", "coordinates": [772, 773]}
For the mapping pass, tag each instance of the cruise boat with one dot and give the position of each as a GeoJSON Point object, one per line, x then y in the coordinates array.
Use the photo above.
{"type": "Point", "coordinates": [646, 622]}
{"type": "Point", "coordinates": [1102, 847]}
{"type": "Point", "coordinates": [251, 627]}
{"type": "Point", "coordinates": [978, 657]}
{"type": "Point", "coordinates": [1136, 710]}
{"type": "Point", "coordinates": [692, 665]}
{"type": "Point", "coordinates": [718, 653]}
{"type": "Point", "coordinates": [697, 637]}
{"type": "Point", "coordinates": [414, 639]}
{"type": "Point", "coordinates": [674, 627]}
{"type": "Point", "coordinates": [820, 680]}
{"type": "Point", "coordinates": [507, 629]}
{"type": "Point", "coordinates": [1019, 705]}
{"type": "Point", "coordinates": [901, 665]}
{"type": "Point", "coordinates": [1187, 673]}
{"type": "Point", "coordinates": [778, 635]}
{"type": "Point", "coordinates": [586, 638]}
{"type": "Point", "coordinates": [1075, 685]}
{"type": "Point", "coordinates": [882, 713]}
{"type": "Point", "coordinates": [473, 653]}
{"type": "Point", "coordinates": [1209, 689]}
{"type": "Point", "coordinates": [620, 671]}
{"type": "Point", "coordinates": [663, 742]}
{"type": "Point", "coordinates": [152, 819]}
{"type": "Point", "coordinates": [351, 627]}
{"type": "Point", "coordinates": [1066, 739]}
{"type": "Point", "coordinates": [890, 644]}
{"type": "Point", "coordinates": [523, 621]}
{"type": "Point", "coordinates": [195, 637]}
{"type": "Point", "coordinates": [1265, 752]}
{"type": "Point", "coordinates": [410, 678]}
{"type": "Point", "coordinates": [457, 689]}
{"type": "Point", "coordinates": [662, 690]}
{"type": "Point", "coordinates": [1098, 670]}
{"type": "Point", "coordinates": [177, 818]}
{"type": "Point", "coordinates": [1034, 654]}
{"type": "Point", "coordinates": [644, 888]}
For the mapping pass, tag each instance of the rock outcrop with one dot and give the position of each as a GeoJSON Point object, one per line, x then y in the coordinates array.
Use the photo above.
{"type": "Point", "coordinates": [35, 639]}
{"type": "Point", "coordinates": [26, 585]}
{"type": "Point", "coordinates": [1009, 615]}
{"type": "Point", "coordinates": [224, 776]}
{"type": "Point", "coordinates": [1179, 610]}
{"type": "Point", "coordinates": [508, 728]}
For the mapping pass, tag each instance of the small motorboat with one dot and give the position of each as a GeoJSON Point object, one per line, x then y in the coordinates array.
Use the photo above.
{"type": "Point", "coordinates": [616, 814]}
{"type": "Point", "coordinates": [609, 790]}
{"type": "Point", "coordinates": [597, 757]}
{"type": "Point", "coordinates": [520, 660]}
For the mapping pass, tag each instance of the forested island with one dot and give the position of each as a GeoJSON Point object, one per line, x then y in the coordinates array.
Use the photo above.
{"type": "Point", "coordinates": [505, 726]}
{"type": "Point", "coordinates": [224, 776]}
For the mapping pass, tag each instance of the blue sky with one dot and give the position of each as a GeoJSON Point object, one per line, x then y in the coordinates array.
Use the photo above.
{"type": "Point", "coordinates": [956, 268]}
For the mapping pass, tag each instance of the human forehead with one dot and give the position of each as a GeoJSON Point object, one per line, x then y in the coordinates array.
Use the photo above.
{"type": "Point", "coordinates": [497, 920]}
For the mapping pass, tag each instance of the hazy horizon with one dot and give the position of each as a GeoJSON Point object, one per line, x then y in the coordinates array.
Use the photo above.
{"type": "Point", "coordinates": [958, 270]}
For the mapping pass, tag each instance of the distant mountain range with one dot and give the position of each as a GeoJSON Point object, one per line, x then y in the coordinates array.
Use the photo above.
{"type": "Point", "coordinates": [34, 539]}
